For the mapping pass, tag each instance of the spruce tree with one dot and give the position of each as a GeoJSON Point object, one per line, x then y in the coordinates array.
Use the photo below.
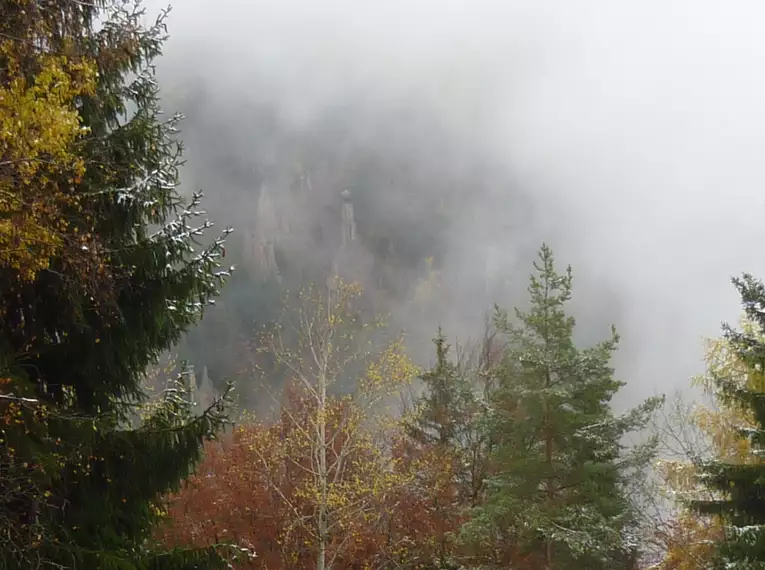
{"type": "Point", "coordinates": [738, 488]}
{"type": "Point", "coordinates": [440, 432]}
{"type": "Point", "coordinates": [558, 496]}
{"type": "Point", "coordinates": [450, 412]}
{"type": "Point", "coordinates": [127, 276]}
{"type": "Point", "coordinates": [444, 408]}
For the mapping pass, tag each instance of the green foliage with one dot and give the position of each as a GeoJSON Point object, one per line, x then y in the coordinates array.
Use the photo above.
{"type": "Point", "coordinates": [738, 483]}
{"type": "Point", "coordinates": [77, 332]}
{"type": "Point", "coordinates": [445, 408]}
{"type": "Point", "coordinates": [448, 417]}
{"type": "Point", "coordinates": [558, 493]}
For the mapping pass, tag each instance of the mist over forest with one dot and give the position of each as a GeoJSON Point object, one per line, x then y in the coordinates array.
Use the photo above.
{"type": "Point", "coordinates": [394, 285]}
{"type": "Point", "coordinates": [472, 132]}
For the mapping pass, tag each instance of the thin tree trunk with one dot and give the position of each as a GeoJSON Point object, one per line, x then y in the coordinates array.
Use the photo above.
{"type": "Point", "coordinates": [321, 555]}
{"type": "Point", "coordinates": [548, 459]}
{"type": "Point", "coordinates": [548, 427]}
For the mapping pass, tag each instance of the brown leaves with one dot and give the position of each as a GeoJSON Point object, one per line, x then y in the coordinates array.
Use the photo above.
{"type": "Point", "coordinates": [332, 470]}
{"type": "Point", "coordinates": [256, 488]}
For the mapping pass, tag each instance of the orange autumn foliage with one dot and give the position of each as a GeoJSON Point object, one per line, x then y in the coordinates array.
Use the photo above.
{"type": "Point", "coordinates": [430, 509]}
{"type": "Point", "coordinates": [249, 490]}
{"type": "Point", "coordinates": [690, 543]}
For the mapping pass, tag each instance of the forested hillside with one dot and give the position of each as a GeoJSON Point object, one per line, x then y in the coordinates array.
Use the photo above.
{"type": "Point", "coordinates": [408, 208]}
{"type": "Point", "coordinates": [294, 395]}
{"type": "Point", "coordinates": [421, 251]}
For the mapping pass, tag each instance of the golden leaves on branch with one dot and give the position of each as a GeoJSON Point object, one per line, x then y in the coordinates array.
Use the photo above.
{"type": "Point", "coordinates": [323, 477]}
{"type": "Point", "coordinates": [39, 163]}
{"type": "Point", "coordinates": [690, 540]}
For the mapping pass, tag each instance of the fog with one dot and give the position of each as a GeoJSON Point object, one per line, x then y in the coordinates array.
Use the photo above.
{"type": "Point", "coordinates": [628, 135]}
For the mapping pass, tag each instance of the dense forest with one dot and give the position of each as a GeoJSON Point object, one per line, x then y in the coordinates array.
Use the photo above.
{"type": "Point", "coordinates": [175, 395]}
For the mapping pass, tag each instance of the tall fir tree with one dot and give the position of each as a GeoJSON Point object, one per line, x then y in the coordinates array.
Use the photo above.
{"type": "Point", "coordinates": [121, 277]}
{"type": "Point", "coordinates": [444, 406]}
{"type": "Point", "coordinates": [737, 485]}
{"type": "Point", "coordinates": [558, 491]}
{"type": "Point", "coordinates": [445, 432]}
{"type": "Point", "coordinates": [440, 431]}
{"type": "Point", "coordinates": [450, 411]}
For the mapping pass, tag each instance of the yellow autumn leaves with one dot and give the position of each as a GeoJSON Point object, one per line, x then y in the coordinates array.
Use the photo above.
{"type": "Point", "coordinates": [337, 444]}
{"type": "Point", "coordinates": [39, 162]}
{"type": "Point", "coordinates": [691, 540]}
{"type": "Point", "coordinates": [388, 373]}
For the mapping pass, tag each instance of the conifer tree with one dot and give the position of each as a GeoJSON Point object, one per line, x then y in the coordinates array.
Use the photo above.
{"type": "Point", "coordinates": [738, 483]}
{"type": "Point", "coordinates": [445, 440]}
{"type": "Point", "coordinates": [558, 493]}
{"type": "Point", "coordinates": [436, 435]}
{"type": "Point", "coordinates": [448, 415]}
{"type": "Point", "coordinates": [119, 276]}
{"type": "Point", "coordinates": [443, 407]}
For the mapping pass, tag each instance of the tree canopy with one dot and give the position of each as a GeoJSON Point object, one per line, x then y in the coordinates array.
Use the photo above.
{"type": "Point", "coordinates": [101, 270]}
